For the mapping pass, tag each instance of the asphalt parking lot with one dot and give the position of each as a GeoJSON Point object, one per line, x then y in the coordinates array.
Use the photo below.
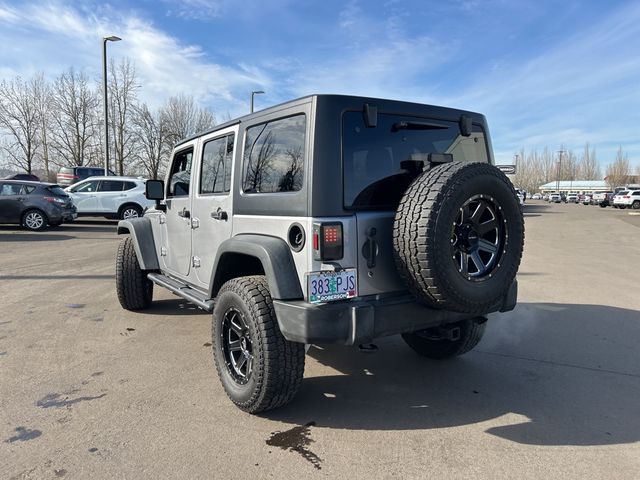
{"type": "Point", "coordinates": [89, 390]}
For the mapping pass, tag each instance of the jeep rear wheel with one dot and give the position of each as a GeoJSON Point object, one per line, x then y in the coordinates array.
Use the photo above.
{"type": "Point", "coordinates": [440, 343]}
{"type": "Point", "coordinates": [258, 368]}
{"type": "Point", "coordinates": [135, 290]}
{"type": "Point", "coordinates": [458, 237]}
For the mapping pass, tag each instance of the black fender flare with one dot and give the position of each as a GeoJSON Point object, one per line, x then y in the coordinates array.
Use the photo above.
{"type": "Point", "coordinates": [275, 256]}
{"type": "Point", "coordinates": [141, 233]}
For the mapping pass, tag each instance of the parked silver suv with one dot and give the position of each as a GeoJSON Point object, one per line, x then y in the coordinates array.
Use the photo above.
{"type": "Point", "coordinates": [329, 219]}
{"type": "Point", "coordinates": [110, 197]}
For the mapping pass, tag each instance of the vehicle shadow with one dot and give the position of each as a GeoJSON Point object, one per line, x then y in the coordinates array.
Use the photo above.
{"type": "Point", "coordinates": [545, 374]}
{"type": "Point", "coordinates": [14, 237]}
{"type": "Point", "coordinates": [536, 209]}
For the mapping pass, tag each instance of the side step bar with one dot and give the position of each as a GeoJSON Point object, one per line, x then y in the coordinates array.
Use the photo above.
{"type": "Point", "coordinates": [182, 290]}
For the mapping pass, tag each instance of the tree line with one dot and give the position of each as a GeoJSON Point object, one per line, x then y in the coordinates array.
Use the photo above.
{"type": "Point", "coordinates": [535, 168]}
{"type": "Point", "coordinates": [48, 124]}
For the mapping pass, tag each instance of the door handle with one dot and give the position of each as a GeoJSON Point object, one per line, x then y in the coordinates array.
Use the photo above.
{"type": "Point", "coordinates": [184, 213]}
{"type": "Point", "coordinates": [219, 215]}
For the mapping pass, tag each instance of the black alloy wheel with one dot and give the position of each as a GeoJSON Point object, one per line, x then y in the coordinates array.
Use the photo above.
{"type": "Point", "coordinates": [237, 346]}
{"type": "Point", "coordinates": [477, 238]}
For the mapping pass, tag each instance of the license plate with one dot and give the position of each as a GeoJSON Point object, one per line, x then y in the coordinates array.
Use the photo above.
{"type": "Point", "coordinates": [331, 286]}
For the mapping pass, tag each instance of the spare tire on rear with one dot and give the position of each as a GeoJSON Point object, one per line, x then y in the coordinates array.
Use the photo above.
{"type": "Point", "coordinates": [458, 237]}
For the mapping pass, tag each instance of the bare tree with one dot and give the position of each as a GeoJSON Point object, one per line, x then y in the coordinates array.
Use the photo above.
{"type": "Point", "coordinates": [291, 180]}
{"type": "Point", "coordinates": [43, 98]}
{"type": "Point", "coordinates": [123, 89]}
{"type": "Point", "coordinates": [20, 121]}
{"type": "Point", "coordinates": [618, 171]}
{"type": "Point", "coordinates": [260, 163]}
{"type": "Point", "coordinates": [75, 118]}
{"type": "Point", "coordinates": [184, 118]}
{"type": "Point", "coordinates": [588, 166]}
{"type": "Point", "coordinates": [150, 132]}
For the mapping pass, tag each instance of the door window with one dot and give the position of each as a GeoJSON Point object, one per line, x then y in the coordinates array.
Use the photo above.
{"type": "Point", "coordinates": [180, 174]}
{"type": "Point", "coordinates": [217, 159]}
{"type": "Point", "coordinates": [110, 186]}
{"type": "Point", "coordinates": [11, 189]}
{"type": "Point", "coordinates": [86, 187]}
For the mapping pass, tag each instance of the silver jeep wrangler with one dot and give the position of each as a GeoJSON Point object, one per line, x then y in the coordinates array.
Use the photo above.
{"type": "Point", "coordinates": [328, 219]}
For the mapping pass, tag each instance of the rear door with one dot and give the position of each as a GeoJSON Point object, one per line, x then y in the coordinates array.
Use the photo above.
{"type": "Point", "coordinates": [11, 202]}
{"type": "Point", "coordinates": [177, 234]}
{"type": "Point", "coordinates": [212, 201]}
{"type": "Point", "coordinates": [110, 195]}
{"type": "Point", "coordinates": [379, 164]}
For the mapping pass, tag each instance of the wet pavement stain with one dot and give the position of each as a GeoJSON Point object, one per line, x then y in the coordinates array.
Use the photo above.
{"type": "Point", "coordinates": [5, 323]}
{"type": "Point", "coordinates": [2, 353]}
{"type": "Point", "coordinates": [53, 400]}
{"type": "Point", "coordinates": [75, 305]}
{"type": "Point", "coordinates": [23, 434]}
{"type": "Point", "coordinates": [129, 329]}
{"type": "Point", "coordinates": [296, 440]}
{"type": "Point", "coordinates": [60, 473]}
{"type": "Point", "coordinates": [208, 344]}
{"type": "Point", "coordinates": [97, 374]}
{"type": "Point", "coordinates": [93, 449]}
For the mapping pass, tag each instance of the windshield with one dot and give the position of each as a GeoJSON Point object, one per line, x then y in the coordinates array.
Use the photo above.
{"type": "Point", "coordinates": [373, 177]}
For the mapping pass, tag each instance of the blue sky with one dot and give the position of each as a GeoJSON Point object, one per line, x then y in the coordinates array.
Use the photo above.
{"type": "Point", "coordinates": [545, 73]}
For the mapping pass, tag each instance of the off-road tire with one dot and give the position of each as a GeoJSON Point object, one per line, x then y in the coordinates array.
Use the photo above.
{"type": "Point", "coordinates": [427, 342]}
{"type": "Point", "coordinates": [135, 290]}
{"type": "Point", "coordinates": [34, 220]}
{"type": "Point", "coordinates": [423, 237]}
{"type": "Point", "coordinates": [277, 364]}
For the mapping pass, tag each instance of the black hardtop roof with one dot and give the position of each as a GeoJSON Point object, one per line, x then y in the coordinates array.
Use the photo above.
{"type": "Point", "coordinates": [30, 182]}
{"type": "Point", "coordinates": [349, 102]}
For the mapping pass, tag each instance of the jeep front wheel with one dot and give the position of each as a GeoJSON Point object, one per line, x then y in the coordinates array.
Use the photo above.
{"type": "Point", "coordinates": [446, 342]}
{"type": "Point", "coordinates": [135, 290]}
{"type": "Point", "coordinates": [458, 237]}
{"type": "Point", "coordinates": [258, 368]}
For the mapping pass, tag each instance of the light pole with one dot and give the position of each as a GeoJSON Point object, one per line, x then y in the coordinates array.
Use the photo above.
{"type": "Point", "coordinates": [111, 38]}
{"type": "Point", "coordinates": [560, 152]}
{"type": "Point", "coordinates": [257, 92]}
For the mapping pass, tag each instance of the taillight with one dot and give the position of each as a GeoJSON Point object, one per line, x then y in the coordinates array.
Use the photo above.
{"type": "Point", "coordinates": [626, 196]}
{"type": "Point", "coordinates": [327, 241]}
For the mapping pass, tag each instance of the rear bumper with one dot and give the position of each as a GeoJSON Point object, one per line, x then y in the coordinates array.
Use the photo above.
{"type": "Point", "coordinates": [361, 320]}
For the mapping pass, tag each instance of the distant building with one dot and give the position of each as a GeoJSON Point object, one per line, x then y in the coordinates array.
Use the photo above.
{"type": "Point", "coordinates": [575, 186]}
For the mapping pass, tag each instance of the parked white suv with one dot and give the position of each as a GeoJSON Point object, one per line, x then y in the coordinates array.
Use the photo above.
{"type": "Point", "coordinates": [110, 197]}
{"type": "Point", "coordinates": [627, 199]}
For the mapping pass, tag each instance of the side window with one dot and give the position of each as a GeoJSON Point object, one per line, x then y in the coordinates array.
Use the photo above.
{"type": "Point", "coordinates": [129, 186]}
{"type": "Point", "coordinates": [180, 174]}
{"type": "Point", "coordinates": [86, 187]}
{"type": "Point", "coordinates": [217, 159]}
{"type": "Point", "coordinates": [9, 189]}
{"type": "Point", "coordinates": [29, 188]}
{"type": "Point", "coordinates": [110, 186]}
{"type": "Point", "coordinates": [274, 156]}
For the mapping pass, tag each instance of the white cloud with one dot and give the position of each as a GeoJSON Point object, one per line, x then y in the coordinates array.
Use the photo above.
{"type": "Point", "coordinates": [51, 37]}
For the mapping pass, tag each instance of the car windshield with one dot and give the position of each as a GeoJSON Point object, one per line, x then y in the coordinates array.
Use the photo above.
{"type": "Point", "coordinates": [380, 162]}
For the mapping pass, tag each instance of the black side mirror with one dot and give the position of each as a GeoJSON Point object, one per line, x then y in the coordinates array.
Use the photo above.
{"type": "Point", "coordinates": [154, 190]}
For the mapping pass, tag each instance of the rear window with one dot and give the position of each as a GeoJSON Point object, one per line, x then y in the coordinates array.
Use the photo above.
{"type": "Point", "coordinates": [56, 190]}
{"type": "Point", "coordinates": [625, 192]}
{"type": "Point", "coordinates": [110, 186]}
{"type": "Point", "coordinates": [373, 177]}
